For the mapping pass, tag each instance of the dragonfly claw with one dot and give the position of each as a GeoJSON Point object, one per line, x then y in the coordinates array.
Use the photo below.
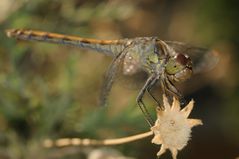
{"type": "Point", "coordinates": [183, 101]}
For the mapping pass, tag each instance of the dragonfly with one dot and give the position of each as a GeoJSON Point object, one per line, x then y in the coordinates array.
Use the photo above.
{"type": "Point", "coordinates": [165, 62]}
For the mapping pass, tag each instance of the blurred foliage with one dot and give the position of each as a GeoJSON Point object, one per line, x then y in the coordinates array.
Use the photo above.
{"type": "Point", "coordinates": [51, 91]}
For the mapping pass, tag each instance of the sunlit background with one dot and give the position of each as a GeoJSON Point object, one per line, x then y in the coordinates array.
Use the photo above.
{"type": "Point", "coordinates": [51, 91]}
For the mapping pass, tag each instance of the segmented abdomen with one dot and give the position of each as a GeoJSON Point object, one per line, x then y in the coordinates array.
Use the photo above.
{"type": "Point", "coordinates": [108, 47]}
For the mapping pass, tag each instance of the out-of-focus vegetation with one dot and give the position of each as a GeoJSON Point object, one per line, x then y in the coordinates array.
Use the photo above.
{"type": "Point", "coordinates": [51, 91]}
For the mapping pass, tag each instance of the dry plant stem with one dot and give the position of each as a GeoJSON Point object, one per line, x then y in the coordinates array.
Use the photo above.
{"type": "Point", "coordinates": [91, 142]}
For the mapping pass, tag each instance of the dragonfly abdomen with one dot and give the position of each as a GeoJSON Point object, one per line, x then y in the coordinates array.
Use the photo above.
{"type": "Point", "coordinates": [108, 47]}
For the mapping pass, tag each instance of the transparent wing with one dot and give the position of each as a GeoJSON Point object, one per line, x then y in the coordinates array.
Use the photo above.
{"type": "Point", "coordinates": [203, 59]}
{"type": "Point", "coordinates": [110, 77]}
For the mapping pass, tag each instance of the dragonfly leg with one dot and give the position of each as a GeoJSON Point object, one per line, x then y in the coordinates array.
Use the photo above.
{"type": "Point", "coordinates": [151, 94]}
{"type": "Point", "coordinates": [140, 102]}
{"type": "Point", "coordinates": [154, 98]}
{"type": "Point", "coordinates": [169, 87]}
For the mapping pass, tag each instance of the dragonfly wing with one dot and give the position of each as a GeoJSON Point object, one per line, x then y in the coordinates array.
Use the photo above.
{"type": "Point", "coordinates": [110, 77]}
{"type": "Point", "coordinates": [131, 64]}
{"type": "Point", "coordinates": [203, 59]}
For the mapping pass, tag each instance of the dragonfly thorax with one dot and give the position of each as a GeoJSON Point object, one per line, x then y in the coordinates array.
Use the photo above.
{"type": "Point", "coordinates": [142, 54]}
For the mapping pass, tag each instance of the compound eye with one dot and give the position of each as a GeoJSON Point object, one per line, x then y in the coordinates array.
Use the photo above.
{"type": "Point", "coordinates": [183, 59]}
{"type": "Point", "coordinates": [178, 63]}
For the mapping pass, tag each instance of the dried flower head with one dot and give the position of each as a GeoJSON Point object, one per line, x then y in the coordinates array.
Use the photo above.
{"type": "Point", "coordinates": [172, 128]}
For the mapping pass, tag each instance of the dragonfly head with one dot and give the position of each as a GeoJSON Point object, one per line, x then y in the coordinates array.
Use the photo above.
{"type": "Point", "coordinates": [179, 67]}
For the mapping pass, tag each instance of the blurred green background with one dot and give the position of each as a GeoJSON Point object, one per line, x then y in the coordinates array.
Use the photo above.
{"type": "Point", "coordinates": [51, 91]}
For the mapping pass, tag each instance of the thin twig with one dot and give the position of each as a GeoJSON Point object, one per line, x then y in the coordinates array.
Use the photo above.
{"type": "Point", "coordinates": [91, 142]}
